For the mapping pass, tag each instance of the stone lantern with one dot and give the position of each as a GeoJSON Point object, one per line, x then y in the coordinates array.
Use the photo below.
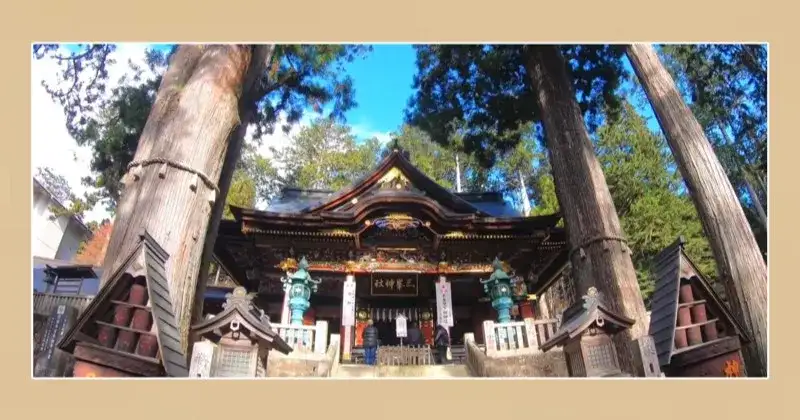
{"type": "Point", "coordinates": [299, 287]}
{"type": "Point", "coordinates": [586, 334]}
{"type": "Point", "coordinates": [500, 289]}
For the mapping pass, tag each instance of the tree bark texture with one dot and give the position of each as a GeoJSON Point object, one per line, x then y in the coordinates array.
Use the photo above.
{"type": "Point", "coordinates": [762, 215]}
{"type": "Point", "coordinates": [523, 189]}
{"type": "Point", "coordinates": [195, 112]}
{"type": "Point", "coordinates": [598, 257]}
{"type": "Point", "coordinates": [262, 55]}
{"type": "Point", "coordinates": [741, 267]}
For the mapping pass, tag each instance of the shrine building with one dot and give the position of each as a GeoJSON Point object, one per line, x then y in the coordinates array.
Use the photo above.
{"type": "Point", "coordinates": [395, 242]}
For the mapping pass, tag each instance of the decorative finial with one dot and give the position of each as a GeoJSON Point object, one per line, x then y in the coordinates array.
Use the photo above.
{"type": "Point", "coordinates": [496, 264]}
{"type": "Point", "coordinates": [303, 264]}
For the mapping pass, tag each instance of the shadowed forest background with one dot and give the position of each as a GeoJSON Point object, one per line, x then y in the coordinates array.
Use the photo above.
{"type": "Point", "coordinates": [488, 144]}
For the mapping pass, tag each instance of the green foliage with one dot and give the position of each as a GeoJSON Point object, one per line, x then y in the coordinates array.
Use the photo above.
{"type": "Point", "coordinates": [646, 195]}
{"type": "Point", "coordinates": [484, 92]}
{"type": "Point", "coordinates": [242, 193]}
{"type": "Point", "coordinates": [326, 156]}
{"type": "Point", "coordinates": [69, 204]}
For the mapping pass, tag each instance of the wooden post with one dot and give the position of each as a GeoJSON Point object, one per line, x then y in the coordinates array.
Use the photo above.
{"type": "Point", "coordinates": [489, 337]}
{"type": "Point", "coordinates": [285, 309]}
{"type": "Point", "coordinates": [321, 337]}
{"type": "Point", "coordinates": [530, 333]}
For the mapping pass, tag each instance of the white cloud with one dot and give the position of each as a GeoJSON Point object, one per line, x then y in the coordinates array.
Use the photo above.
{"type": "Point", "coordinates": [51, 144]}
{"type": "Point", "coordinates": [363, 132]}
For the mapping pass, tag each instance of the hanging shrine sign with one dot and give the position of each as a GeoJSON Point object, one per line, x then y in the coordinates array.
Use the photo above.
{"type": "Point", "coordinates": [401, 326]}
{"type": "Point", "coordinates": [444, 303]}
{"type": "Point", "coordinates": [389, 284]}
{"type": "Point", "coordinates": [349, 302]}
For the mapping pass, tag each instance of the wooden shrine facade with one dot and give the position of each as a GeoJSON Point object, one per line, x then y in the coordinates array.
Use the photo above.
{"type": "Point", "coordinates": [394, 233]}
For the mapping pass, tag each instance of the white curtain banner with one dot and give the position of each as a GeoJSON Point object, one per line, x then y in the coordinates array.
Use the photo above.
{"type": "Point", "coordinates": [444, 303]}
{"type": "Point", "coordinates": [349, 302]}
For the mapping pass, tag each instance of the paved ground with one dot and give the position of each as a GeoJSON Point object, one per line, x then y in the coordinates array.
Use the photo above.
{"type": "Point", "coordinates": [438, 371]}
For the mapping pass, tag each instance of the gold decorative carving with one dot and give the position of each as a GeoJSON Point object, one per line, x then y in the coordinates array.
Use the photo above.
{"type": "Point", "coordinates": [289, 264]}
{"type": "Point", "coordinates": [454, 234]}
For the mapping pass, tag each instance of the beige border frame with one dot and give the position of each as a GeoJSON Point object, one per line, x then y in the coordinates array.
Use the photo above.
{"type": "Point", "coordinates": [406, 21]}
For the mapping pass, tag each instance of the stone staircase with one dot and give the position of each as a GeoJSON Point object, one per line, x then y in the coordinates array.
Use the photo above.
{"type": "Point", "coordinates": [427, 372]}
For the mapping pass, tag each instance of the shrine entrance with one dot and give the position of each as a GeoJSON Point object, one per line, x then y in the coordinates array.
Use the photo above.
{"type": "Point", "coordinates": [394, 242]}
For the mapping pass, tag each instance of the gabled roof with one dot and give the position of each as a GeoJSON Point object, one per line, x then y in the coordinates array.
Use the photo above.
{"type": "Point", "coordinates": [581, 315]}
{"type": "Point", "coordinates": [75, 271]}
{"type": "Point", "coordinates": [240, 309]}
{"type": "Point", "coordinates": [147, 260]}
{"type": "Point", "coordinates": [672, 265]}
{"type": "Point", "coordinates": [316, 201]}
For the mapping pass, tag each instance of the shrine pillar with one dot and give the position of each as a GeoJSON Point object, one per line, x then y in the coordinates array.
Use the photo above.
{"type": "Point", "coordinates": [285, 309]}
{"type": "Point", "coordinates": [348, 314]}
{"type": "Point", "coordinates": [526, 309]}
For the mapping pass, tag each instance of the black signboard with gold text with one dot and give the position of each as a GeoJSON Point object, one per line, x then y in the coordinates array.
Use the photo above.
{"type": "Point", "coordinates": [394, 284]}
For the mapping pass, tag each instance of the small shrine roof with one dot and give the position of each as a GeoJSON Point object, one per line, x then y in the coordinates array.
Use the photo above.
{"type": "Point", "coordinates": [239, 308]}
{"type": "Point", "coordinates": [581, 315]}
{"type": "Point", "coordinates": [145, 261]}
{"type": "Point", "coordinates": [670, 266]}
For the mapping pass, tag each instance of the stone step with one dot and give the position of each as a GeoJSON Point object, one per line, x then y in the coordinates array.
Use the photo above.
{"type": "Point", "coordinates": [436, 371]}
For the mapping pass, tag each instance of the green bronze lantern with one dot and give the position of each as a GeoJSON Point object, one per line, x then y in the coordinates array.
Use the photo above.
{"type": "Point", "coordinates": [499, 288]}
{"type": "Point", "coordinates": [299, 286]}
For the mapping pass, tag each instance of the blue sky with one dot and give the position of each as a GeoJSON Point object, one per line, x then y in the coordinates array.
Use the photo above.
{"type": "Point", "coordinates": [383, 86]}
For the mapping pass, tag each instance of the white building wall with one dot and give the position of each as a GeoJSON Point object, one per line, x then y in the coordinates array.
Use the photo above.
{"type": "Point", "coordinates": [56, 239]}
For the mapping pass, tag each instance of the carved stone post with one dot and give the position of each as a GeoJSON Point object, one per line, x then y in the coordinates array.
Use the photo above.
{"type": "Point", "coordinates": [645, 357]}
{"type": "Point", "coordinates": [202, 359]}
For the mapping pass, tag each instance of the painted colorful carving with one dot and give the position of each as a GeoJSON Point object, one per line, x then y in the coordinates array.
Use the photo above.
{"type": "Point", "coordinates": [732, 369]}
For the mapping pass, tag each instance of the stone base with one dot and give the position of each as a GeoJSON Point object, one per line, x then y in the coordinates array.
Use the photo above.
{"type": "Point", "coordinates": [551, 364]}
{"type": "Point", "coordinates": [281, 366]}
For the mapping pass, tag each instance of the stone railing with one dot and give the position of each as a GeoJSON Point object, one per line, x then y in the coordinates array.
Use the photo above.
{"type": "Point", "coordinates": [404, 355]}
{"type": "Point", "coordinates": [476, 358]}
{"type": "Point", "coordinates": [545, 329]}
{"type": "Point", "coordinates": [517, 338]}
{"type": "Point", "coordinates": [305, 338]}
{"type": "Point", "coordinates": [330, 364]}
{"type": "Point", "coordinates": [44, 303]}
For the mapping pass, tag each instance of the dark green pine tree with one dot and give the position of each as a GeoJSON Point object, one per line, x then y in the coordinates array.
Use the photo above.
{"type": "Point", "coordinates": [492, 91]}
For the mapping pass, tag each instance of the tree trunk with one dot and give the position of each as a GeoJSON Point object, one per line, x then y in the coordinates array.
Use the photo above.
{"type": "Point", "coordinates": [523, 189]}
{"type": "Point", "coordinates": [742, 268]}
{"type": "Point", "coordinates": [262, 55]}
{"type": "Point", "coordinates": [742, 168]}
{"type": "Point", "coordinates": [599, 257]}
{"type": "Point", "coordinates": [193, 116]}
{"type": "Point", "coordinates": [458, 175]}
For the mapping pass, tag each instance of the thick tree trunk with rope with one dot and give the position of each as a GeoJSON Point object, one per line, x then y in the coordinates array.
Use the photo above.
{"type": "Point", "coordinates": [600, 257]}
{"type": "Point", "coordinates": [262, 56]}
{"type": "Point", "coordinates": [741, 267]}
{"type": "Point", "coordinates": [170, 188]}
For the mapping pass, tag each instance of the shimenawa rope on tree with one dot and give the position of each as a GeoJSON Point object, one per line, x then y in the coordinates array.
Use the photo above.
{"type": "Point", "coordinates": [592, 240]}
{"type": "Point", "coordinates": [135, 169]}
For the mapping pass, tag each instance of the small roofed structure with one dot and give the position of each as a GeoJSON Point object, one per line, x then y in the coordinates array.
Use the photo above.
{"type": "Point", "coordinates": [235, 342]}
{"type": "Point", "coordinates": [585, 334]}
{"type": "Point", "coordinates": [130, 327]}
{"type": "Point", "coordinates": [695, 333]}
